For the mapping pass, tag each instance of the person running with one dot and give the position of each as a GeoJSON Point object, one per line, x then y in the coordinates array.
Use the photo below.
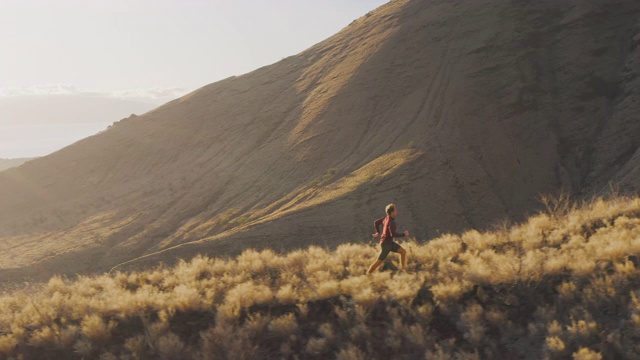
{"type": "Point", "coordinates": [386, 238]}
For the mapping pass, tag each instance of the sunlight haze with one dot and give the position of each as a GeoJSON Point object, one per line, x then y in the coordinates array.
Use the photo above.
{"type": "Point", "coordinates": [144, 51]}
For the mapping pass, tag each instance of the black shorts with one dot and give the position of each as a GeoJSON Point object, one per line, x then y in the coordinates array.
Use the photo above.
{"type": "Point", "coordinates": [386, 248]}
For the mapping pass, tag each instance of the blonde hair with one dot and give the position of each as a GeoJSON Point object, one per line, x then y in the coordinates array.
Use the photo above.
{"type": "Point", "coordinates": [390, 208]}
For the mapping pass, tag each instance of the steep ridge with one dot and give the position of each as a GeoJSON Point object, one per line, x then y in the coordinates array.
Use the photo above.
{"type": "Point", "coordinates": [462, 112]}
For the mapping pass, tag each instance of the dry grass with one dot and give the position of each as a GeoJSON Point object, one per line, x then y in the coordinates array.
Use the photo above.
{"type": "Point", "coordinates": [562, 285]}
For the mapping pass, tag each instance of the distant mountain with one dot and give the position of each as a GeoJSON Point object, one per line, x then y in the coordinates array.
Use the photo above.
{"type": "Point", "coordinates": [37, 125]}
{"type": "Point", "coordinates": [61, 109]}
{"type": "Point", "coordinates": [460, 112]}
{"type": "Point", "coordinates": [9, 163]}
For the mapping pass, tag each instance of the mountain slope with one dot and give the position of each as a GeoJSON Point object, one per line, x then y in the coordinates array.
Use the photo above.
{"type": "Point", "coordinates": [461, 112]}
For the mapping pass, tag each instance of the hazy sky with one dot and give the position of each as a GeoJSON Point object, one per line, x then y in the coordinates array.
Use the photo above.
{"type": "Point", "coordinates": [125, 45]}
{"type": "Point", "coordinates": [137, 52]}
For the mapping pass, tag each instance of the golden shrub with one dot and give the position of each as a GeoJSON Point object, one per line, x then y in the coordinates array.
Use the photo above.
{"type": "Point", "coordinates": [7, 344]}
{"type": "Point", "coordinates": [555, 344]}
{"type": "Point", "coordinates": [586, 354]}
{"type": "Point", "coordinates": [555, 279]}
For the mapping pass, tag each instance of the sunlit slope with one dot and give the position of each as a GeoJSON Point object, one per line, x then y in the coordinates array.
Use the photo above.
{"type": "Point", "coordinates": [299, 210]}
{"type": "Point", "coordinates": [478, 107]}
{"type": "Point", "coordinates": [562, 284]}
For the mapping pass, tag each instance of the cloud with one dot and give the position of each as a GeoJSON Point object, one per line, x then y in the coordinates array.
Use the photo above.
{"type": "Point", "coordinates": [156, 95]}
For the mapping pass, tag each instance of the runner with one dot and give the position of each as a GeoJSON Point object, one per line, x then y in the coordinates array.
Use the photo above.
{"type": "Point", "coordinates": [386, 239]}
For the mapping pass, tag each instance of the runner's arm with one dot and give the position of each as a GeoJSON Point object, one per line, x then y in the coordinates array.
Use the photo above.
{"type": "Point", "coordinates": [393, 231]}
{"type": "Point", "coordinates": [377, 224]}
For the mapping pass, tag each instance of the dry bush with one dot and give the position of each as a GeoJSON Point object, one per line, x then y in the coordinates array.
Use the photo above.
{"type": "Point", "coordinates": [586, 354]}
{"type": "Point", "coordinates": [560, 285]}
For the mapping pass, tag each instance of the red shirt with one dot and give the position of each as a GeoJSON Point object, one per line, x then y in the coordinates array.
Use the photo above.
{"type": "Point", "coordinates": [388, 229]}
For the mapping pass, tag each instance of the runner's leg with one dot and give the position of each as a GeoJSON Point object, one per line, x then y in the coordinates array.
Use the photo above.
{"type": "Point", "coordinates": [384, 251]}
{"type": "Point", "coordinates": [374, 266]}
{"type": "Point", "coordinates": [403, 257]}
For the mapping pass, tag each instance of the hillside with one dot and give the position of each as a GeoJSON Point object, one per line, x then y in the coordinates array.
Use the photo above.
{"type": "Point", "coordinates": [562, 284]}
{"type": "Point", "coordinates": [461, 112]}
